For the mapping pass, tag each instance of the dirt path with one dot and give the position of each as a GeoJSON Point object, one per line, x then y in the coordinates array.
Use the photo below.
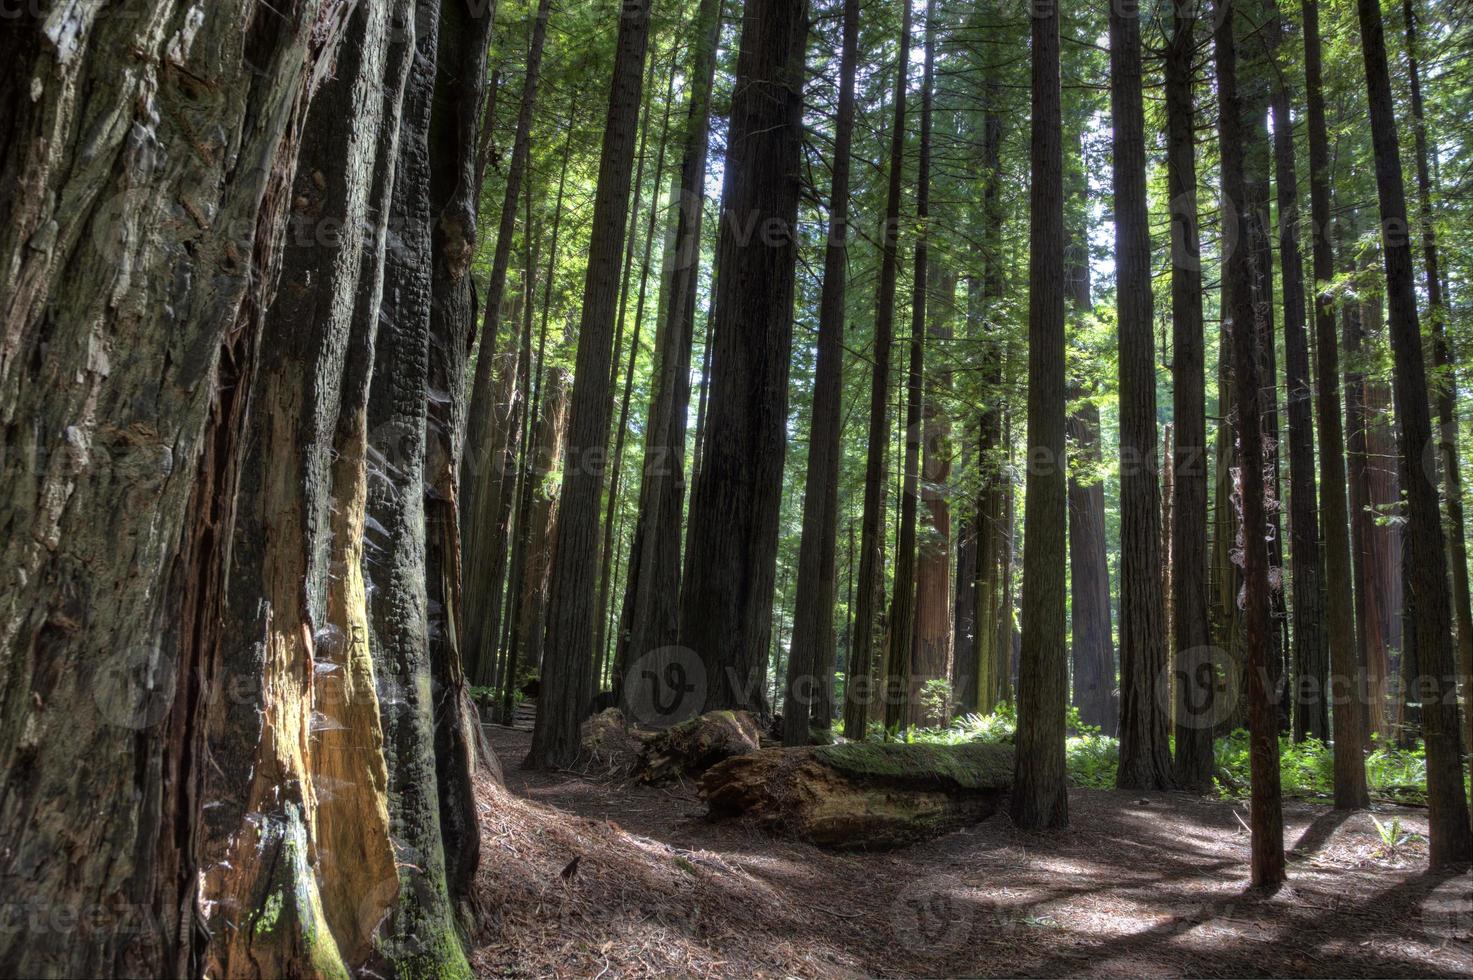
{"type": "Point", "coordinates": [1140, 885]}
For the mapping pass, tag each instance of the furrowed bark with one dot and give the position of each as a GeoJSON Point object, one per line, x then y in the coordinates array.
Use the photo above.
{"type": "Point", "coordinates": [1310, 658]}
{"type": "Point", "coordinates": [1451, 841]}
{"type": "Point", "coordinates": [726, 596]}
{"type": "Point", "coordinates": [1040, 796]}
{"type": "Point", "coordinates": [1145, 753]}
{"type": "Point", "coordinates": [1196, 672]}
{"type": "Point", "coordinates": [1249, 311]}
{"type": "Point", "coordinates": [810, 669]}
{"type": "Point", "coordinates": [1344, 692]}
{"type": "Point", "coordinates": [567, 676]}
{"type": "Point", "coordinates": [652, 594]}
{"type": "Point", "coordinates": [858, 692]}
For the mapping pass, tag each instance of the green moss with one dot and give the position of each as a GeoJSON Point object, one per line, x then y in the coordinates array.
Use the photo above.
{"type": "Point", "coordinates": [973, 766]}
{"type": "Point", "coordinates": [269, 916]}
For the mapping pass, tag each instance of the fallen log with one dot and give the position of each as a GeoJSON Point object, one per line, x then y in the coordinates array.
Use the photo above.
{"type": "Point", "coordinates": [862, 795]}
{"type": "Point", "coordinates": [694, 746]}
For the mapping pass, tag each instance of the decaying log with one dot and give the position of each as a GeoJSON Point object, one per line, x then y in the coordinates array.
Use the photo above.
{"type": "Point", "coordinates": [694, 746]}
{"type": "Point", "coordinates": [862, 796]}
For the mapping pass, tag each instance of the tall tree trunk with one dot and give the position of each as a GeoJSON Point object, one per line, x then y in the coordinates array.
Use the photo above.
{"type": "Point", "coordinates": [1445, 381]}
{"type": "Point", "coordinates": [237, 677]}
{"type": "Point", "coordinates": [1344, 689]}
{"type": "Point", "coordinates": [1040, 796]}
{"type": "Point", "coordinates": [488, 463]}
{"type": "Point", "coordinates": [1195, 676]}
{"type": "Point", "coordinates": [1310, 651]}
{"type": "Point", "coordinates": [1145, 748]}
{"type": "Point", "coordinates": [1093, 644]}
{"type": "Point", "coordinates": [726, 598]}
{"type": "Point", "coordinates": [652, 595]}
{"type": "Point", "coordinates": [858, 695]}
{"type": "Point", "coordinates": [1447, 808]}
{"type": "Point", "coordinates": [900, 671]}
{"type": "Point", "coordinates": [1249, 311]}
{"type": "Point", "coordinates": [605, 583]}
{"type": "Point", "coordinates": [932, 644]}
{"type": "Point", "coordinates": [811, 664]}
{"type": "Point", "coordinates": [567, 673]}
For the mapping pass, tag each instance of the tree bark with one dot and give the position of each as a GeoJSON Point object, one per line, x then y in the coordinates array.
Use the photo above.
{"type": "Point", "coordinates": [488, 464]}
{"type": "Point", "coordinates": [858, 695]}
{"type": "Point", "coordinates": [1445, 381]}
{"type": "Point", "coordinates": [810, 666]}
{"type": "Point", "coordinates": [1344, 690]}
{"type": "Point", "coordinates": [726, 598]}
{"type": "Point", "coordinates": [652, 595]}
{"type": "Point", "coordinates": [1092, 647]}
{"type": "Point", "coordinates": [567, 674]}
{"type": "Point", "coordinates": [900, 670]}
{"type": "Point", "coordinates": [1196, 667]}
{"type": "Point", "coordinates": [1310, 650]}
{"type": "Point", "coordinates": [1040, 795]}
{"type": "Point", "coordinates": [1249, 310]}
{"type": "Point", "coordinates": [1426, 559]}
{"type": "Point", "coordinates": [206, 280]}
{"type": "Point", "coordinates": [1145, 750]}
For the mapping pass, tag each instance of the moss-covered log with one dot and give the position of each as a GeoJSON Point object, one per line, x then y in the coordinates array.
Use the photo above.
{"type": "Point", "coordinates": [861, 796]}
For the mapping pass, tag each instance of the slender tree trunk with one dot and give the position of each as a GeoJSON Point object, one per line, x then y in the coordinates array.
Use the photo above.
{"type": "Point", "coordinates": [1447, 808]}
{"type": "Point", "coordinates": [932, 643]}
{"type": "Point", "coordinates": [858, 695]}
{"type": "Point", "coordinates": [1249, 311]}
{"type": "Point", "coordinates": [1310, 650]}
{"type": "Point", "coordinates": [1093, 646]}
{"type": "Point", "coordinates": [1445, 381]}
{"type": "Point", "coordinates": [652, 595]}
{"type": "Point", "coordinates": [1040, 796]}
{"type": "Point", "coordinates": [605, 583]}
{"type": "Point", "coordinates": [900, 673]}
{"type": "Point", "coordinates": [1195, 676]}
{"type": "Point", "coordinates": [567, 681]}
{"type": "Point", "coordinates": [726, 598]}
{"type": "Point", "coordinates": [488, 460]}
{"type": "Point", "coordinates": [1344, 690]}
{"type": "Point", "coordinates": [1145, 748]}
{"type": "Point", "coordinates": [811, 664]}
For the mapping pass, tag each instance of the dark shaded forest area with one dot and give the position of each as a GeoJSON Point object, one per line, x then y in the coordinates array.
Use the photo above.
{"type": "Point", "coordinates": [735, 487]}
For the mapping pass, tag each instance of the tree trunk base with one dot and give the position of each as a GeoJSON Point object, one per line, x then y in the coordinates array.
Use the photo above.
{"type": "Point", "coordinates": [862, 796]}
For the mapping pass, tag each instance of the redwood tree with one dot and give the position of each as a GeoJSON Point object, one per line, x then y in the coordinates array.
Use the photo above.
{"type": "Point", "coordinates": [726, 598]}
{"type": "Point", "coordinates": [1451, 841]}
{"type": "Point", "coordinates": [810, 669]}
{"type": "Point", "coordinates": [567, 674]}
{"type": "Point", "coordinates": [1040, 795]}
{"type": "Point", "coordinates": [1145, 750]}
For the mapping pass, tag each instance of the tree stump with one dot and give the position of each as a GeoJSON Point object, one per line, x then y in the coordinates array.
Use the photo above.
{"type": "Point", "coordinates": [862, 796]}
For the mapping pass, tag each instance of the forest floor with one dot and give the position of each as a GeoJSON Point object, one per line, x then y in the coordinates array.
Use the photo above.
{"type": "Point", "coordinates": [589, 876]}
